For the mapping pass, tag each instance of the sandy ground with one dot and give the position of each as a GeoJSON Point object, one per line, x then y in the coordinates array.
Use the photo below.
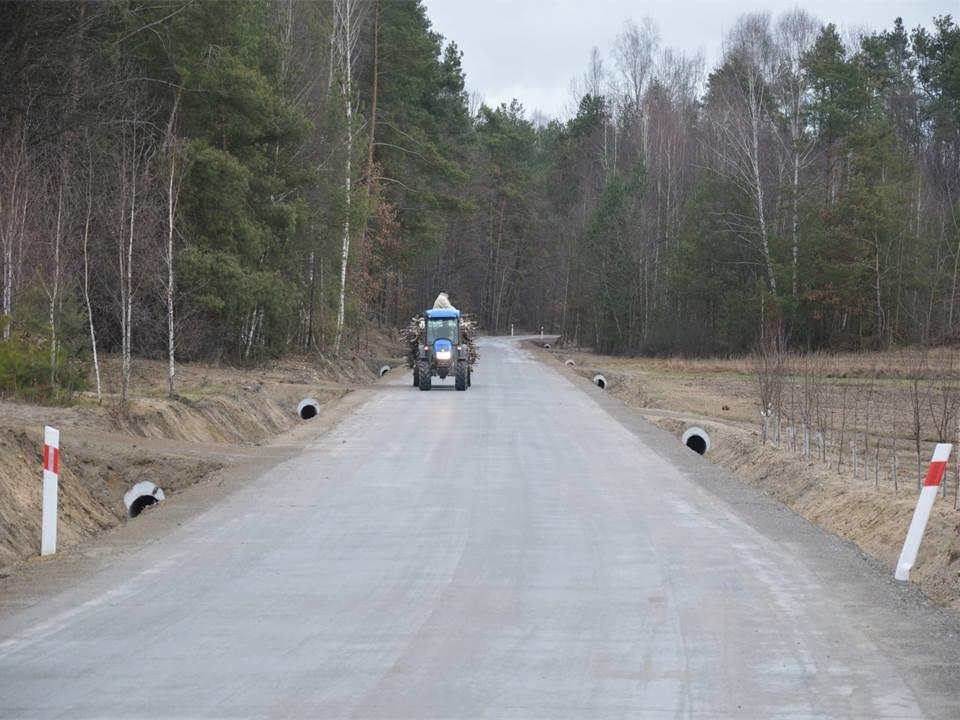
{"type": "Point", "coordinates": [223, 417]}
{"type": "Point", "coordinates": [867, 509]}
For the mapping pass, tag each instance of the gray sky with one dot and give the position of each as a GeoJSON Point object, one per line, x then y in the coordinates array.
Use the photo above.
{"type": "Point", "coordinates": [532, 49]}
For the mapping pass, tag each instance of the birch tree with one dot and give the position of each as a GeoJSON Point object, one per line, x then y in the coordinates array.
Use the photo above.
{"type": "Point", "coordinates": [54, 272]}
{"type": "Point", "coordinates": [741, 122]}
{"type": "Point", "coordinates": [14, 203]}
{"type": "Point", "coordinates": [170, 143]}
{"type": "Point", "coordinates": [134, 167]}
{"type": "Point", "coordinates": [796, 32]}
{"type": "Point", "coordinates": [347, 17]}
{"type": "Point", "coordinates": [88, 217]}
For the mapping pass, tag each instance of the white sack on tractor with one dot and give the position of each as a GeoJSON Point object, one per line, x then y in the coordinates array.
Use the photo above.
{"type": "Point", "coordinates": [442, 302]}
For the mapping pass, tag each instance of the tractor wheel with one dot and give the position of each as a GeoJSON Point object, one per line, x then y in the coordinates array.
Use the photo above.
{"type": "Point", "coordinates": [416, 375]}
{"type": "Point", "coordinates": [423, 373]}
{"type": "Point", "coordinates": [460, 381]}
{"type": "Point", "coordinates": [469, 375]}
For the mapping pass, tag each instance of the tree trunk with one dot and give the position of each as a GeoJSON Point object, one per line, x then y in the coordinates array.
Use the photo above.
{"type": "Point", "coordinates": [761, 216]}
{"type": "Point", "coordinates": [55, 283]}
{"type": "Point", "coordinates": [11, 232]}
{"type": "Point", "coordinates": [879, 331]}
{"type": "Point", "coordinates": [313, 284]}
{"type": "Point", "coordinates": [126, 265]}
{"type": "Point", "coordinates": [171, 228]}
{"type": "Point", "coordinates": [795, 221]}
{"type": "Point", "coordinates": [86, 274]}
{"type": "Point", "coordinates": [346, 42]}
{"type": "Point", "coordinates": [373, 99]}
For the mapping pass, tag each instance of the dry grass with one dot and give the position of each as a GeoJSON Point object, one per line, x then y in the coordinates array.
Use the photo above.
{"type": "Point", "coordinates": [888, 365]}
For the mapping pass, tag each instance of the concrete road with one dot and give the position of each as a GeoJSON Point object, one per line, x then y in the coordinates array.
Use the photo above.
{"type": "Point", "coordinates": [525, 549]}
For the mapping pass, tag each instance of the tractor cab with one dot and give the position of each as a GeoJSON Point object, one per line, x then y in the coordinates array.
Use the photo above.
{"type": "Point", "coordinates": [442, 333]}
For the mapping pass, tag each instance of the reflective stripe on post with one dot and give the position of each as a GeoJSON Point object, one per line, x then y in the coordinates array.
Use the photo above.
{"type": "Point", "coordinates": [51, 476]}
{"type": "Point", "coordinates": [928, 495]}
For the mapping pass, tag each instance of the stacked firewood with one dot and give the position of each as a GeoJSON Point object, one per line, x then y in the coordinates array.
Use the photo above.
{"type": "Point", "coordinates": [469, 331]}
{"type": "Point", "coordinates": [412, 336]}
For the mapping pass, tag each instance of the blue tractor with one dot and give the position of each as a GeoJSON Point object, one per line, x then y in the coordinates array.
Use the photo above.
{"type": "Point", "coordinates": [443, 351]}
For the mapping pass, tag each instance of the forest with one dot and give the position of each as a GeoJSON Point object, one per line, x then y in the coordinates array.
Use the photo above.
{"type": "Point", "coordinates": [232, 181]}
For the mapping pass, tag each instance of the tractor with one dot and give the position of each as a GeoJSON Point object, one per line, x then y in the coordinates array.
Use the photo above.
{"type": "Point", "coordinates": [443, 351]}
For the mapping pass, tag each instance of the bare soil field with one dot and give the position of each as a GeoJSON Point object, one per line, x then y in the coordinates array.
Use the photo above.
{"type": "Point", "coordinates": [219, 418]}
{"type": "Point", "coordinates": [844, 452]}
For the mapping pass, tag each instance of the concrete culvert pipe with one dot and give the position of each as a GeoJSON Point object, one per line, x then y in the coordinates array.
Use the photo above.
{"type": "Point", "coordinates": [141, 496]}
{"type": "Point", "coordinates": [384, 370]}
{"type": "Point", "coordinates": [308, 408]}
{"type": "Point", "coordinates": [546, 345]}
{"type": "Point", "coordinates": [571, 363]}
{"type": "Point", "coordinates": [697, 439]}
{"type": "Point", "coordinates": [600, 381]}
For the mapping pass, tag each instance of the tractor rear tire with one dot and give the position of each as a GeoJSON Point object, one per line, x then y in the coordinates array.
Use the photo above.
{"type": "Point", "coordinates": [416, 375]}
{"type": "Point", "coordinates": [460, 379]}
{"type": "Point", "coordinates": [469, 375]}
{"type": "Point", "coordinates": [423, 373]}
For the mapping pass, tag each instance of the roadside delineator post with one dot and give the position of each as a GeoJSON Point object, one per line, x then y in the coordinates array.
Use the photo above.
{"type": "Point", "coordinates": [928, 495]}
{"type": "Point", "coordinates": [51, 478]}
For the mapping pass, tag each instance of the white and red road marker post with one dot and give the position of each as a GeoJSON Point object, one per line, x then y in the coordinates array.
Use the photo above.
{"type": "Point", "coordinates": [928, 495]}
{"type": "Point", "coordinates": [51, 479]}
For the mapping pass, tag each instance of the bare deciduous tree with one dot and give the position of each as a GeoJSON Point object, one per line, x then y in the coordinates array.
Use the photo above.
{"type": "Point", "coordinates": [88, 217]}
{"type": "Point", "coordinates": [741, 121]}
{"type": "Point", "coordinates": [170, 149]}
{"type": "Point", "coordinates": [134, 164]}
{"type": "Point", "coordinates": [347, 16]}
{"type": "Point", "coordinates": [796, 32]}
{"type": "Point", "coordinates": [770, 363]}
{"type": "Point", "coordinates": [14, 203]}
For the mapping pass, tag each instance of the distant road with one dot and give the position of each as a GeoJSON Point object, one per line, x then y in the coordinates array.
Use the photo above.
{"type": "Point", "coordinates": [524, 549]}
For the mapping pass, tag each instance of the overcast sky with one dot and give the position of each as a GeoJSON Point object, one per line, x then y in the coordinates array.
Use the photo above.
{"type": "Point", "coordinates": [532, 49]}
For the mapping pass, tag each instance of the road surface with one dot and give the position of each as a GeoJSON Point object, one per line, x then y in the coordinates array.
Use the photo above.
{"type": "Point", "coordinates": [521, 550]}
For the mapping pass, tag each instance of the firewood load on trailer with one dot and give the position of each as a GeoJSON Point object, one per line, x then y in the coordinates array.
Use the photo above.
{"type": "Point", "coordinates": [413, 334]}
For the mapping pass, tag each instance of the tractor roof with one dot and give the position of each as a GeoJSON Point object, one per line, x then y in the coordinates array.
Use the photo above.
{"type": "Point", "coordinates": [443, 313]}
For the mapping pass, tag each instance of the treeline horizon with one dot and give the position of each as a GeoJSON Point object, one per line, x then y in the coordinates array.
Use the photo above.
{"type": "Point", "coordinates": [807, 186]}
{"type": "Point", "coordinates": [236, 180]}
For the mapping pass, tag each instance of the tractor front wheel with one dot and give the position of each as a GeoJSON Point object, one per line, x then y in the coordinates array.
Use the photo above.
{"type": "Point", "coordinates": [416, 375]}
{"type": "Point", "coordinates": [423, 372]}
{"type": "Point", "coordinates": [461, 376]}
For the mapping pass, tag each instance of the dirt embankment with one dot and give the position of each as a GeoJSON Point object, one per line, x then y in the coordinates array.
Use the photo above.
{"type": "Point", "coordinates": [219, 417]}
{"type": "Point", "coordinates": [875, 518]}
